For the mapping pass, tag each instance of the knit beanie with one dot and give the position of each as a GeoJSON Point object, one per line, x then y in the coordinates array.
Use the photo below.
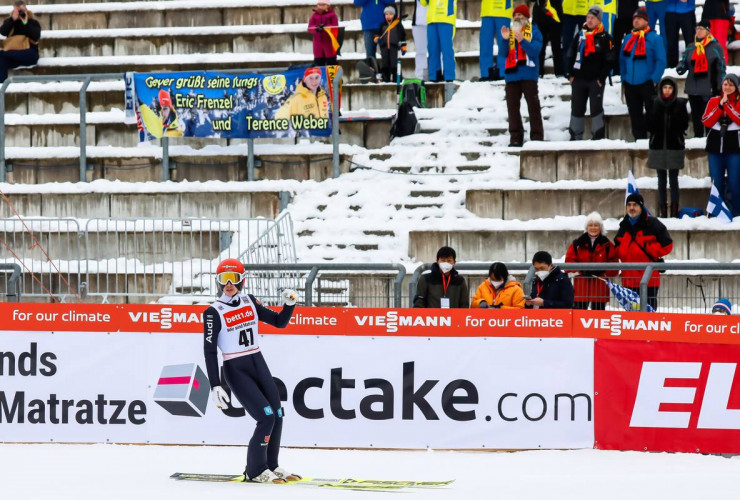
{"type": "Point", "coordinates": [641, 12]}
{"type": "Point", "coordinates": [596, 11]}
{"type": "Point", "coordinates": [390, 10]}
{"type": "Point", "coordinates": [723, 305]}
{"type": "Point", "coordinates": [523, 10]}
{"type": "Point", "coordinates": [636, 198]}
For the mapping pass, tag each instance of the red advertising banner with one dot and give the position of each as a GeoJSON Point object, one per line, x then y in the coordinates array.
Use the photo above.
{"type": "Point", "coordinates": [660, 396]}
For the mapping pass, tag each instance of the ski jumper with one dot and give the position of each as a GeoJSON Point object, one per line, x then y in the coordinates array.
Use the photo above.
{"type": "Point", "coordinates": [231, 323]}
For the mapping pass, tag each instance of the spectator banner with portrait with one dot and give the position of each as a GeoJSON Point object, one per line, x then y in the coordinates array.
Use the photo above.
{"type": "Point", "coordinates": [231, 106]}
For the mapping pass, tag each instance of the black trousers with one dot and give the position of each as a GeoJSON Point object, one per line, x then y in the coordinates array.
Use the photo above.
{"type": "Point", "coordinates": [591, 93]}
{"type": "Point", "coordinates": [663, 176]}
{"type": "Point", "coordinates": [652, 296]}
{"type": "Point", "coordinates": [622, 26]}
{"type": "Point", "coordinates": [552, 33]}
{"type": "Point", "coordinates": [595, 306]}
{"type": "Point", "coordinates": [674, 22]}
{"type": "Point", "coordinates": [325, 61]}
{"type": "Point", "coordinates": [639, 103]}
{"type": "Point", "coordinates": [698, 106]}
{"type": "Point", "coordinates": [251, 382]}
{"type": "Point", "coordinates": [389, 64]}
{"type": "Point", "coordinates": [514, 92]}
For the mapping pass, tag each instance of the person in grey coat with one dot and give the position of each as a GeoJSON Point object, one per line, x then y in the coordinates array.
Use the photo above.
{"type": "Point", "coordinates": [667, 124]}
{"type": "Point", "coordinates": [705, 63]}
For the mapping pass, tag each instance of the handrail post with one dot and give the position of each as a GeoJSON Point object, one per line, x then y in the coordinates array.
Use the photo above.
{"type": "Point", "coordinates": [250, 159]}
{"type": "Point", "coordinates": [397, 285]}
{"type": "Point", "coordinates": [414, 280]}
{"type": "Point", "coordinates": [2, 127]}
{"type": "Point", "coordinates": [308, 293]}
{"type": "Point", "coordinates": [14, 284]}
{"type": "Point", "coordinates": [165, 159]}
{"type": "Point", "coordinates": [335, 122]}
{"type": "Point", "coordinates": [83, 129]}
{"type": "Point", "coordinates": [644, 287]}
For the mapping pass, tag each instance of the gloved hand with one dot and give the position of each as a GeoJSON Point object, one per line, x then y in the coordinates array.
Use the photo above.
{"type": "Point", "coordinates": [290, 297]}
{"type": "Point", "coordinates": [403, 49]}
{"type": "Point", "coordinates": [483, 304]}
{"type": "Point", "coordinates": [375, 39]}
{"type": "Point", "coordinates": [220, 397]}
{"type": "Point", "coordinates": [320, 27]}
{"type": "Point", "coordinates": [496, 306]}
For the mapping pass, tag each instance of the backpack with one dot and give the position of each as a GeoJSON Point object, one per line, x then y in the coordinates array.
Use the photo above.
{"type": "Point", "coordinates": [368, 70]}
{"type": "Point", "coordinates": [414, 92]}
{"type": "Point", "coordinates": [405, 122]}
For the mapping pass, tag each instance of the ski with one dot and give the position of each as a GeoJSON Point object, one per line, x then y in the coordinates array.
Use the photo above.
{"type": "Point", "coordinates": [345, 483]}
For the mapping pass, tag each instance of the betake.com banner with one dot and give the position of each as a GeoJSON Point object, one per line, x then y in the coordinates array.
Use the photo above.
{"type": "Point", "coordinates": [231, 106]}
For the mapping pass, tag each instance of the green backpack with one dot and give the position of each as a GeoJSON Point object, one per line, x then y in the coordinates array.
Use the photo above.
{"type": "Point", "coordinates": [414, 92]}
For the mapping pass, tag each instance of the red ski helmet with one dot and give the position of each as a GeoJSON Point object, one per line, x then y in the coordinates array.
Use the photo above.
{"type": "Point", "coordinates": [230, 270]}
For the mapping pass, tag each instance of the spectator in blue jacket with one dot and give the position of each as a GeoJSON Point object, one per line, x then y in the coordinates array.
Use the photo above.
{"type": "Point", "coordinates": [680, 16]}
{"type": "Point", "coordinates": [641, 63]}
{"type": "Point", "coordinates": [521, 73]}
{"type": "Point", "coordinates": [551, 288]}
{"type": "Point", "coordinates": [371, 17]}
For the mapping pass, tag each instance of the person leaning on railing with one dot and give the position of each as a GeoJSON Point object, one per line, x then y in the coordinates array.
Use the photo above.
{"type": "Point", "coordinates": [21, 45]}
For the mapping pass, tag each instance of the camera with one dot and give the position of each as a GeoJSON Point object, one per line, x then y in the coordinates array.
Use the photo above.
{"type": "Point", "coordinates": [22, 13]}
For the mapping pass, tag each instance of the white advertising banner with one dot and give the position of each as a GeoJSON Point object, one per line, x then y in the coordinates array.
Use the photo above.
{"type": "Point", "coordinates": [343, 391]}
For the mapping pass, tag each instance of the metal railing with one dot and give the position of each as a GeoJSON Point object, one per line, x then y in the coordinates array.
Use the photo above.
{"type": "Point", "coordinates": [685, 286]}
{"type": "Point", "coordinates": [86, 79]}
{"type": "Point", "coordinates": [12, 283]}
{"type": "Point", "coordinates": [136, 259]}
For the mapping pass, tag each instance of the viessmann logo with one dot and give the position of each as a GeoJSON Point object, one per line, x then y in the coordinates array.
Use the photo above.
{"type": "Point", "coordinates": [165, 317]}
{"type": "Point", "coordinates": [617, 325]}
{"type": "Point", "coordinates": [392, 320]}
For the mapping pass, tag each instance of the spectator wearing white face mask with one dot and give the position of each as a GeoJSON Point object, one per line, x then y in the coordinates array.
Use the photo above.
{"type": "Point", "coordinates": [500, 290]}
{"type": "Point", "coordinates": [551, 288]}
{"type": "Point", "coordinates": [443, 287]}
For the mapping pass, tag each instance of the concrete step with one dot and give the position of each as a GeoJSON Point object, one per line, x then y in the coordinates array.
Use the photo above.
{"type": "Point", "coordinates": [535, 201]}
{"type": "Point", "coordinates": [514, 242]}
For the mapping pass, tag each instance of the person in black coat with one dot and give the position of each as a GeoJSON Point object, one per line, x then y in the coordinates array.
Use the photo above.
{"type": "Point", "coordinates": [391, 38]}
{"type": "Point", "coordinates": [551, 288]}
{"type": "Point", "coordinates": [590, 58]}
{"type": "Point", "coordinates": [667, 123]}
{"type": "Point", "coordinates": [443, 287]}
{"type": "Point", "coordinates": [21, 47]}
{"type": "Point", "coordinates": [552, 32]}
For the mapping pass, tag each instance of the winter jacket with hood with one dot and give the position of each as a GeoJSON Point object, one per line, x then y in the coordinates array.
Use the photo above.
{"type": "Point", "coordinates": [321, 42]}
{"type": "Point", "coordinates": [646, 241]}
{"type": "Point", "coordinates": [705, 84]}
{"type": "Point", "coordinates": [556, 290]}
{"type": "Point", "coordinates": [589, 288]}
{"type": "Point", "coordinates": [667, 123]}
{"type": "Point", "coordinates": [430, 289]}
{"type": "Point", "coordinates": [508, 296]}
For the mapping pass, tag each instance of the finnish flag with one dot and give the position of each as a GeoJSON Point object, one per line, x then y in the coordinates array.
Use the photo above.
{"type": "Point", "coordinates": [632, 188]}
{"type": "Point", "coordinates": [716, 207]}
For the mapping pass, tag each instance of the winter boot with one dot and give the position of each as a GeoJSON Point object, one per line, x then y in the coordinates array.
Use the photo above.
{"type": "Point", "coordinates": [494, 74]}
{"type": "Point", "coordinates": [284, 474]}
{"type": "Point", "coordinates": [663, 211]}
{"type": "Point", "coordinates": [674, 210]}
{"type": "Point", "coordinates": [266, 477]}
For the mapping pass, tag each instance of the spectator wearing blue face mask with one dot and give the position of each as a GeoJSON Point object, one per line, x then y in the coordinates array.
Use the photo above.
{"type": "Point", "coordinates": [551, 288]}
{"type": "Point", "coordinates": [443, 287]}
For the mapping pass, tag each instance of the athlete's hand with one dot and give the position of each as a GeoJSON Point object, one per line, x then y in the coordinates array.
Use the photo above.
{"type": "Point", "coordinates": [290, 297]}
{"type": "Point", "coordinates": [220, 397]}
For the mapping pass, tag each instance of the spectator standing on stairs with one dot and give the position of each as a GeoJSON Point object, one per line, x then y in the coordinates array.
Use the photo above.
{"type": "Point", "coordinates": [667, 123]}
{"type": "Point", "coordinates": [441, 16]}
{"type": "Point", "coordinates": [21, 45]}
{"type": "Point", "coordinates": [681, 16]}
{"type": "Point", "coordinates": [717, 12]}
{"type": "Point", "coordinates": [590, 59]}
{"type": "Point", "coordinates": [391, 38]}
{"type": "Point", "coordinates": [641, 63]}
{"type": "Point", "coordinates": [494, 15]}
{"type": "Point", "coordinates": [371, 17]}
{"type": "Point", "coordinates": [547, 15]}
{"type": "Point", "coordinates": [419, 32]}
{"type": "Point", "coordinates": [323, 19]}
{"type": "Point", "coordinates": [522, 74]}
{"type": "Point", "coordinates": [705, 64]}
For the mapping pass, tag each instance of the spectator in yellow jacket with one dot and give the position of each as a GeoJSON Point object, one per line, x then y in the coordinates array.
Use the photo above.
{"type": "Point", "coordinates": [500, 290]}
{"type": "Point", "coordinates": [441, 15]}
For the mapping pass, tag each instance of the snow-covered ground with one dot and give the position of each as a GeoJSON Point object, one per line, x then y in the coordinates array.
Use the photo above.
{"type": "Point", "coordinates": [54, 471]}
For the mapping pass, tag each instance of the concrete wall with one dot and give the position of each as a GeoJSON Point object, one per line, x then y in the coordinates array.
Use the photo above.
{"type": "Point", "coordinates": [540, 203]}
{"type": "Point", "coordinates": [521, 245]}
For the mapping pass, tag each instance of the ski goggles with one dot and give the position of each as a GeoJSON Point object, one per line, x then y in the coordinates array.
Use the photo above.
{"type": "Point", "coordinates": [226, 276]}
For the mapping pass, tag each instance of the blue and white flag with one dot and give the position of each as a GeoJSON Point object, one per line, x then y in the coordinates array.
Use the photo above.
{"type": "Point", "coordinates": [628, 299]}
{"type": "Point", "coordinates": [632, 188]}
{"type": "Point", "coordinates": [716, 207]}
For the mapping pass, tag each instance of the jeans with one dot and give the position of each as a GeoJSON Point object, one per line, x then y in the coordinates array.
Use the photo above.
{"type": "Point", "coordinates": [656, 12]}
{"type": "Point", "coordinates": [371, 47]}
{"type": "Point", "coordinates": [719, 164]}
{"type": "Point", "coordinates": [441, 52]}
{"type": "Point", "coordinates": [490, 29]}
{"type": "Point", "coordinates": [10, 59]}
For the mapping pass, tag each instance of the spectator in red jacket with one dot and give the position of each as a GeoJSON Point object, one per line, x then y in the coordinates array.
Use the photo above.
{"type": "Point", "coordinates": [591, 247]}
{"type": "Point", "coordinates": [323, 19]}
{"type": "Point", "coordinates": [642, 238]}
